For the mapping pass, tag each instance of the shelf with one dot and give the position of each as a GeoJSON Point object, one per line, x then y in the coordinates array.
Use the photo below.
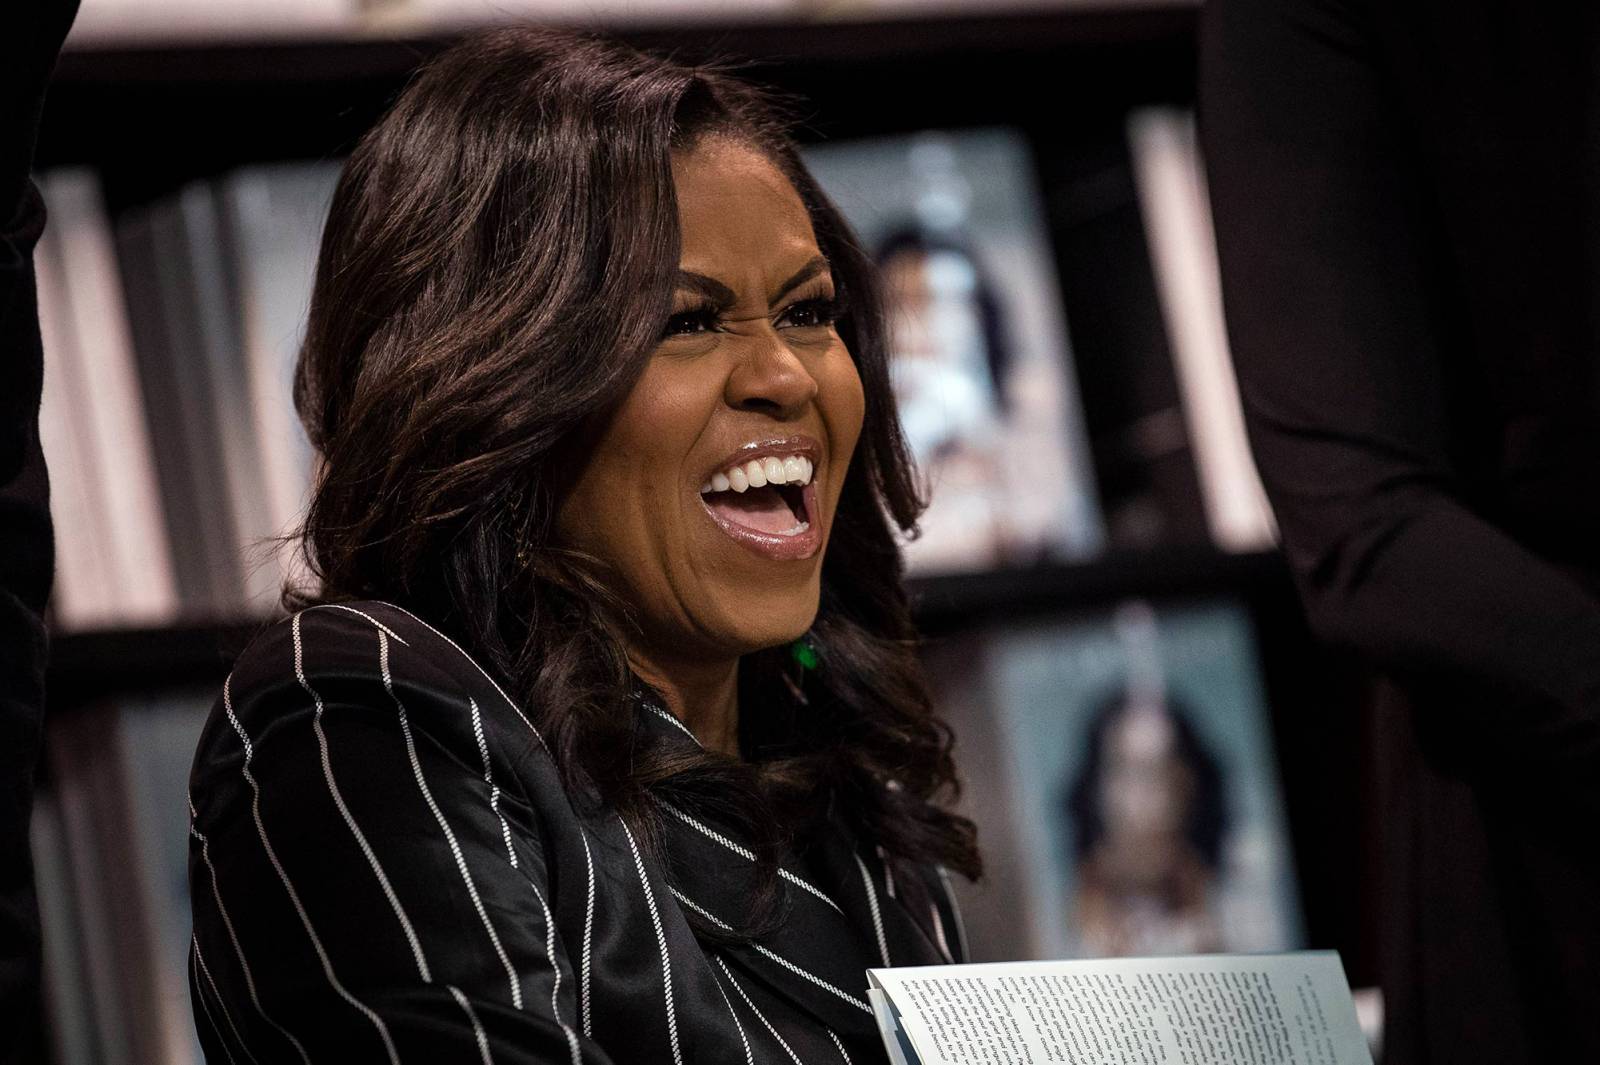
{"type": "Point", "coordinates": [952, 603]}
{"type": "Point", "coordinates": [84, 665]}
{"type": "Point", "coordinates": [153, 117]}
{"type": "Point", "coordinates": [293, 59]}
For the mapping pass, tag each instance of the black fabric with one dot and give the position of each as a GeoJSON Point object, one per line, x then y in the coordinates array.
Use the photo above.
{"type": "Point", "coordinates": [30, 37]}
{"type": "Point", "coordinates": [1407, 201]}
{"type": "Point", "coordinates": [385, 866]}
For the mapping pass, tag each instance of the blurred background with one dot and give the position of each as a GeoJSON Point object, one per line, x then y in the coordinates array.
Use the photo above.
{"type": "Point", "coordinates": [1159, 757]}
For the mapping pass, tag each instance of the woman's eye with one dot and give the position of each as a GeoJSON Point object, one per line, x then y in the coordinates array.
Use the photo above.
{"type": "Point", "coordinates": [690, 322]}
{"type": "Point", "coordinates": [822, 311]}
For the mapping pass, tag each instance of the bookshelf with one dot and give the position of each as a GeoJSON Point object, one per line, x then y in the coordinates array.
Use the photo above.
{"type": "Point", "coordinates": [135, 112]}
{"type": "Point", "coordinates": [150, 119]}
{"type": "Point", "coordinates": [93, 664]}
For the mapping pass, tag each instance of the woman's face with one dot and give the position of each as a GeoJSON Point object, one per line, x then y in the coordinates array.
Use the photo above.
{"type": "Point", "coordinates": [749, 385]}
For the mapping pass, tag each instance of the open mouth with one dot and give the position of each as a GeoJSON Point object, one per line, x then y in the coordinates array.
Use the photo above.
{"type": "Point", "coordinates": [766, 503]}
{"type": "Point", "coordinates": [780, 510]}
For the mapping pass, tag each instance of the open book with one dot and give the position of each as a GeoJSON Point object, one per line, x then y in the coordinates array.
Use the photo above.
{"type": "Point", "coordinates": [1219, 1009]}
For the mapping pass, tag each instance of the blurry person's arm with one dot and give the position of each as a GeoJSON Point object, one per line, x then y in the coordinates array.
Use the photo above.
{"type": "Point", "coordinates": [30, 37]}
{"type": "Point", "coordinates": [1324, 275]}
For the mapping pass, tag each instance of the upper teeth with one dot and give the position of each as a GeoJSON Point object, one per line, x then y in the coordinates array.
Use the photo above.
{"type": "Point", "coordinates": [757, 473]}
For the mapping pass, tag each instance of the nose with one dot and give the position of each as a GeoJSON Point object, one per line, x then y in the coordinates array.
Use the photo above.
{"type": "Point", "coordinates": [770, 378]}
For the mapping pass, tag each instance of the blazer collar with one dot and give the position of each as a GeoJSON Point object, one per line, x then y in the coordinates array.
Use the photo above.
{"type": "Point", "coordinates": [842, 909]}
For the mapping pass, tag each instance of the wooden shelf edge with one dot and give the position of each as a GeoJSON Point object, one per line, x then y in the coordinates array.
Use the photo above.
{"type": "Point", "coordinates": [87, 665]}
{"type": "Point", "coordinates": [299, 59]}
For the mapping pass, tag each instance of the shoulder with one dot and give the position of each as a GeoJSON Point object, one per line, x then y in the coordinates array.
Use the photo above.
{"type": "Point", "coordinates": [362, 640]}
{"type": "Point", "coordinates": [334, 635]}
{"type": "Point", "coordinates": [368, 662]}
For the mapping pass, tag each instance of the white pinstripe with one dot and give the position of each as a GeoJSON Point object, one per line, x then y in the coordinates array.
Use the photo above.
{"type": "Point", "coordinates": [438, 815]}
{"type": "Point", "coordinates": [572, 1039]}
{"type": "Point", "coordinates": [749, 1059]}
{"type": "Point", "coordinates": [227, 922]}
{"type": "Point", "coordinates": [661, 941]}
{"type": "Point", "coordinates": [194, 945]}
{"type": "Point", "coordinates": [474, 663]}
{"type": "Point", "coordinates": [488, 778]}
{"type": "Point", "coordinates": [212, 1021]}
{"type": "Point", "coordinates": [747, 854]}
{"type": "Point", "coordinates": [872, 903]}
{"type": "Point", "coordinates": [294, 896]}
{"type": "Point", "coordinates": [938, 932]}
{"type": "Point", "coordinates": [840, 1045]}
{"type": "Point", "coordinates": [888, 872]}
{"type": "Point", "coordinates": [380, 626]}
{"type": "Point", "coordinates": [344, 811]}
{"type": "Point", "coordinates": [955, 910]}
{"type": "Point", "coordinates": [472, 1016]}
{"type": "Point", "coordinates": [681, 726]}
{"type": "Point", "coordinates": [511, 854]}
{"type": "Point", "coordinates": [550, 952]}
{"type": "Point", "coordinates": [787, 1049]}
{"type": "Point", "coordinates": [785, 962]}
{"type": "Point", "coordinates": [588, 938]}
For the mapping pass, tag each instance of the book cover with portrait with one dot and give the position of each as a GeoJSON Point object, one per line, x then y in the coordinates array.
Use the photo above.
{"type": "Point", "coordinates": [981, 364]}
{"type": "Point", "coordinates": [1121, 771]}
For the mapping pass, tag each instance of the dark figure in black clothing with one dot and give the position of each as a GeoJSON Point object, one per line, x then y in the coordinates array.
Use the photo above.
{"type": "Point", "coordinates": [1407, 199]}
{"type": "Point", "coordinates": [30, 37]}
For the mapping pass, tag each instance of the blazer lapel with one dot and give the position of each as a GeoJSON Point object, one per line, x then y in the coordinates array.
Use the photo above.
{"type": "Point", "coordinates": [894, 913]}
{"type": "Point", "coordinates": [816, 957]}
{"type": "Point", "coordinates": [843, 910]}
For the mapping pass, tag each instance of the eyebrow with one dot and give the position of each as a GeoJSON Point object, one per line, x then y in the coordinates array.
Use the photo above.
{"type": "Point", "coordinates": [723, 296]}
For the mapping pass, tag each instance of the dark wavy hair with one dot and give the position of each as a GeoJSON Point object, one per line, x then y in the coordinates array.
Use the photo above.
{"type": "Point", "coordinates": [1206, 820]}
{"type": "Point", "coordinates": [913, 238]}
{"type": "Point", "coordinates": [497, 267]}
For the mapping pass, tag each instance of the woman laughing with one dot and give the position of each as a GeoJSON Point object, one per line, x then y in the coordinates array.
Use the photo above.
{"type": "Point", "coordinates": [601, 737]}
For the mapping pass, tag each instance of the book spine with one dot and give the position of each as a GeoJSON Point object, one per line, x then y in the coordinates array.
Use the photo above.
{"type": "Point", "coordinates": [214, 305]}
{"type": "Point", "coordinates": [1183, 246]}
{"type": "Point", "coordinates": [112, 408]}
{"type": "Point", "coordinates": [66, 983]}
{"type": "Point", "coordinates": [85, 585]}
{"type": "Point", "coordinates": [162, 392]}
{"type": "Point", "coordinates": [190, 418]}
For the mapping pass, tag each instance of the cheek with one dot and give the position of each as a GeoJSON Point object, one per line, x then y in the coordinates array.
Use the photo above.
{"type": "Point", "coordinates": [843, 404]}
{"type": "Point", "coordinates": [633, 467]}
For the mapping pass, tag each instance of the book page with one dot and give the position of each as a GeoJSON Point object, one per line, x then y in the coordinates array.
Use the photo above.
{"type": "Point", "coordinates": [1283, 1009]}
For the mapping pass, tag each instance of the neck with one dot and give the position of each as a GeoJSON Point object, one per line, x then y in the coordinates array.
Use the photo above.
{"type": "Point", "coordinates": [702, 695]}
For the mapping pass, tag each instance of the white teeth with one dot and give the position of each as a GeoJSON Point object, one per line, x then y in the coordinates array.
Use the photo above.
{"type": "Point", "coordinates": [757, 473]}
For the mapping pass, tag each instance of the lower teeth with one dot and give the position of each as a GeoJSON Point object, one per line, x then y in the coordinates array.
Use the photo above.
{"type": "Point", "coordinates": [797, 530]}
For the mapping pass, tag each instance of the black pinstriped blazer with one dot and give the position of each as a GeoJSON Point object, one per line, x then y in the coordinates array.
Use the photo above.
{"type": "Point", "coordinates": [385, 867]}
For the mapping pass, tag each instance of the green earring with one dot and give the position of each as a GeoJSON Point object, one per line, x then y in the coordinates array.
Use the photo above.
{"type": "Point", "coordinates": [804, 654]}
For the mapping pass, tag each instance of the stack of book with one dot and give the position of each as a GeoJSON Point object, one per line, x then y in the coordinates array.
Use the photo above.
{"type": "Point", "coordinates": [172, 329]}
{"type": "Point", "coordinates": [110, 845]}
{"type": "Point", "coordinates": [170, 336]}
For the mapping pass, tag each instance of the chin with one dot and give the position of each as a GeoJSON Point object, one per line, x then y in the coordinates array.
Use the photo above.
{"type": "Point", "coordinates": [770, 622]}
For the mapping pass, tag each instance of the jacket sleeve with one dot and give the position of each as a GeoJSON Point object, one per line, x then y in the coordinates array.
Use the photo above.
{"type": "Point", "coordinates": [30, 36]}
{"type": "Point", "coordinates": [1324, 279]}
{"type": "Point", "coordinates": [366, 876]}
